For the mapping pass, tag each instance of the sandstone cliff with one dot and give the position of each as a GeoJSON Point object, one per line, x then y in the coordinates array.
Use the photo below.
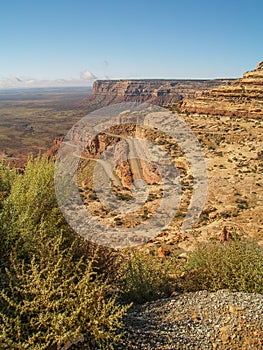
{"type": "Point", "coordinates": [160, 92]}
{"type": "Point", "coordinates": [244, 97]}
{"type": "Point", "coordinates": [130, 161]}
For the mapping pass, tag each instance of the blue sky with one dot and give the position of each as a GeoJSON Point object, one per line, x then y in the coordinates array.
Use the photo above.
{"type": "Point", "coordinates": [130, 39]}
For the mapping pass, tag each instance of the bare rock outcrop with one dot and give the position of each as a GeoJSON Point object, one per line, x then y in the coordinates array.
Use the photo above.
{"type": "Point", "coordinates": [155, 91]}
{"type": "Point", "coordinates": [129, 165]}
{"type": "Point", "coordinates": [244, 97]}
{"type": "Point", "coordinates": [123, 169]}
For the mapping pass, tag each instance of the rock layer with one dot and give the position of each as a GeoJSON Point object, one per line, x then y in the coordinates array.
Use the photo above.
{"type": "Point", "coordinates": [159, 92]}
{"type": "Point", "coordinates": [244, 97]}
{"type": "Point", "coordinates": [129, 165]}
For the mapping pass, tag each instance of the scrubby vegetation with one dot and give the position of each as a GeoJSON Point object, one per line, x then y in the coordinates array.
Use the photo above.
{"type": "Point", "coordinates": [55, 301]}
{"type": "Point", "coordinates": [58, 290]}
{"type": "Point", "coordinates": [236, 265]}
{"type": "Point", "coordinates": [144, 278]}
{"type": "Point", "coordinates": [53, 293]}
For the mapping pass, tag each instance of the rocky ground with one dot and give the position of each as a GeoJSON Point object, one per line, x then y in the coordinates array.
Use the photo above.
{"type": "Point", "coordinates": [227, 121]}
{"type": "Point", "coordinates": [199, 320]}
{"type": "Point", "coordinates": [233, 153]}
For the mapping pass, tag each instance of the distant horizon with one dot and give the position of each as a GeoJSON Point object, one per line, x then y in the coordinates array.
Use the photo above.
{"type": "Point", "coordinates": [47, 88]}
{"type": "Point", "coordinates": [61, 83]}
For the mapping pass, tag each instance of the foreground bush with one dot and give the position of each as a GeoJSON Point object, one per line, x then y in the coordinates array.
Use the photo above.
{"type": "Point", "coordinates": [29, 204]}
{"type": "Point", "coordinates": [145, 278]}
{"type": "Point", "coordinates": [54, 302]}
{"type": "Point", "coordinates": [32, 202]}
{"type": "Point", "coordinates": [235, 265]}
{"type": "Point", "coordinates": [7, 177]}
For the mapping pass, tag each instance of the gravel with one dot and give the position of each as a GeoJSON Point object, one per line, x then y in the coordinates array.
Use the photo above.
{"type": "Point", "coordinates": [198, 320]}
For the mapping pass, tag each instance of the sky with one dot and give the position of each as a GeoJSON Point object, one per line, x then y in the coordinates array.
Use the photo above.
{"type": "Point", "coordinates": [82, 40]}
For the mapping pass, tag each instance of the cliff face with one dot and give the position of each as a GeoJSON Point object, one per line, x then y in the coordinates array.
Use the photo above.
{"type": "Point", "coordinates": [126, 170]}
{"type": "Point", "coordinates": [244, 97]}
{"type": "Point", "coordinates": [160, 92]}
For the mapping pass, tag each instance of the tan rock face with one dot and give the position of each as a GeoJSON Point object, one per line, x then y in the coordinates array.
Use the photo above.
{"type": "Point", "coordinates": [159, 92]}
{"type": "Point", "coordinates": [123, 169]}
{"type": "Point", "coordinates": [244, 97]}
{"type": "Point", "coordinates": [128, 165]}
{"type": "Point", "coordinates": [99, 144]}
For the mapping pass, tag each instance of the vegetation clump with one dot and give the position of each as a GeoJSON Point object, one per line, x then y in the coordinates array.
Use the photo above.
{"type": "Point", "coordinates": [145, 277]}
{"type": "Point", "coordinates": [53, 293]}
{"type": "Point", "coordinates": [236, 265]}
{"type": "Point", "coordinates": [58, 290]}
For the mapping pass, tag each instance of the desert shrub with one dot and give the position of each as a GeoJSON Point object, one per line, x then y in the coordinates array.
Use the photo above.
{"type": "Point", "coordinates": [144, 278]}
{"type": "Point", "coordinates": [7, 177]}
{"type": "Point", "coordinates": [31, 204]}
{"type": "Point", "coordinates": [54, 301]}
{"type": "Point", "coordinates": [53, 292]}
{"type": "Point", "coordinates": [32, 198]}
{"type": "Point", "coordinates": [242, 204]}
{"type": "Point", "coordinates": [235, 265]}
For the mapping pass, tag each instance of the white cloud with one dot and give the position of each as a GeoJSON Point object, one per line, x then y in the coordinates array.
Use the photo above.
{"type": "Point", "coordinates": [87, 75]}
{"type": "Point", "coordinates": [21, 82]}
{"type": "Point", "coordinates": [86, 79]}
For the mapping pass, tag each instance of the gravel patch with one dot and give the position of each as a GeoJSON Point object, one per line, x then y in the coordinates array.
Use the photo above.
{"type": "Point", "coordinates": [198, 320]}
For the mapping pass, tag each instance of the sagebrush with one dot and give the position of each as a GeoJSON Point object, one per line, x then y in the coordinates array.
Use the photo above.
{"type": "Point", "coordinates": [236, 265]}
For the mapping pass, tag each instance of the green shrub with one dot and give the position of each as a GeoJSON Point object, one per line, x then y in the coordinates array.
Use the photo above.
{"type": "Point", "coordinates": [7, 177]}
{"type": "Point", "coordinates": [33, 197]}
{"type": "Point", "coordinates": [54, 301]}
{"type": "Point", "coordinates": [145, 278]}
{"type": "Point", "coordinates": [30, 205]}
{"type": "Point", "coordinates": [235, 265]}
{"type": "Point", "coordinates": [53, 292]}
